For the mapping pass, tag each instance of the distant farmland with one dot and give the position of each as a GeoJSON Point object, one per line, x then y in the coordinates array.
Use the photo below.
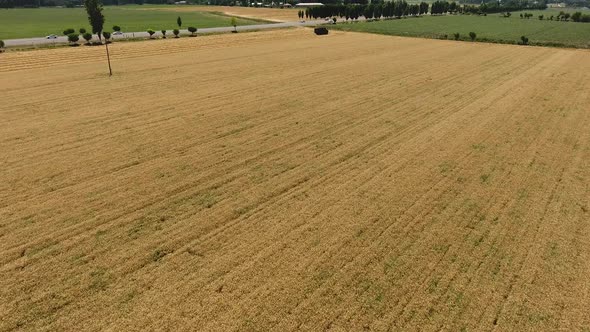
{"type": "Point", "coordinates": [17, 23]}
{"type": "Point", "coordinates": [281, 181]}
{"type": "Point", "coordinates": [492, 27]}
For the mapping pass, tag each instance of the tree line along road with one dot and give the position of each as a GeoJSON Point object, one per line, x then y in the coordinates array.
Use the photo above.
{"type": "Point", "coordinates": [40, 41]}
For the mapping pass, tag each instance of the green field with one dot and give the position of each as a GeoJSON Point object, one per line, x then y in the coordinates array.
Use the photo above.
{"type": "Point", "coordinates": [38, 22]}
{"type": "Point", "coordinates": [491, 28]}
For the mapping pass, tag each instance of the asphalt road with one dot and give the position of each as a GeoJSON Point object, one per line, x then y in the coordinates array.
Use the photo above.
{"type": "Point", "coordinates": [64, 40]}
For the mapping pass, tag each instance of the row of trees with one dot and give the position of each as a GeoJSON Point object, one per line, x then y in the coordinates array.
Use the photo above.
{"type": "Point", "coordinates": [472, 35]}
{"type": "Point", "coordinates": [562, 16]}
{"type": "Point", "coordinates": [400, 8]}
{"type": "Point", "coordinates": [19, 3]}
{"type": "Point", "coordinates": [443, 7]}
{"type": "Point", "coordinates": [497, 7]}
{"type": "Point", "coordinates": [579, 17]}
{"type": "Point", "coordinates": [524, 4]}
{"type": "Point", "coordinates": [73, 37]}
{"type": "Point", "coordinates": [397, 8]}
{"type": "Point", "coordinates": [96, 18]}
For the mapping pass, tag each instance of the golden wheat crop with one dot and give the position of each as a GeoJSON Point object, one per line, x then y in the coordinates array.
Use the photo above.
{"type": "Point", "coordinates": [269, 14]}
{"type": "Point", "coordinates": [280, 181]}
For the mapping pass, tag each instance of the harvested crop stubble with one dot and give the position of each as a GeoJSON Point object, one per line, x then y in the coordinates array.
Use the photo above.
{"type": "Point", "coordinates": [281, 181]}
{"type": "Point", "coordinates": [270, 14]}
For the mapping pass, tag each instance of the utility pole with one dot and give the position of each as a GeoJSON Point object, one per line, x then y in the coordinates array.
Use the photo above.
{"type": "Point", "coordinates": [106, 44]}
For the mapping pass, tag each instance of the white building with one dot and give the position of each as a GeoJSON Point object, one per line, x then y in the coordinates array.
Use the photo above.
{"type": "Point", "coordinates": [309, 4]}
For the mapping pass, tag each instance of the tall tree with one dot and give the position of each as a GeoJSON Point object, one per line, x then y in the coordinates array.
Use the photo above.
{"type": "Point", "coordinates": [179, 21]}
{"type": "Point", "coordinates": [95, 16]}
{"type": "Point", "coordinates": [423, 8]}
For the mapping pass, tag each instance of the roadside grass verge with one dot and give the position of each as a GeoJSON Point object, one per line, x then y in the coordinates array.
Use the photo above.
{"type": "Point", "coordinates": [129, 40]}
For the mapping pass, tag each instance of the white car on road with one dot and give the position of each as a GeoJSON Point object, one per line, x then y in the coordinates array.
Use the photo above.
{"type": "Point", "coordinates": [117, 33]}
{"type": "Point", "coordinates": [51, 37]}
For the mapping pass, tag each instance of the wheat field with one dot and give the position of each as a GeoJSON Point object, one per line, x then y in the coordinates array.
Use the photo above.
{"type": "Point", "coordinates": [267, 14]}
{"type": "Point", "coordinates": [281, 181]}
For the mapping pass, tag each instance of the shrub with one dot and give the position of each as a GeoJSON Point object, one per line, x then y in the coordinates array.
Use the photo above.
{"type": "Point", "coordinates": [68, 31]}
{"type": "Point", "coordinates": [472, 35]}
{"type": "Point", "coordinates": [82, 31]}
{"type": "Point", "coordinates": [106, 35]}
{"type": "Point", "coordinates": [1, 45]}
{"type": "Point", "coordinates": [234, 23]}
{"type": "Point", "coordinates": [456, 35]}
{"type": "Point", "coordinates": [320, 31]}
{"type": "Point", "coordinates": [163, 33]}
{"type": "Point", "coordinates": [524, 40]}
{"type": "Point", "coordinates": [576, 16]}
{"type": "Point", "coordinates": [116, 28]}
{"type": "Point", "coordinates": [192, 30]}
{"type": "Point", "coordinates": [151, 32]}
{"type": "Point", "coordinates": [73, 38]}
{"type": "Point", "coordinates": [87, 36]}
{"type": "Point", "coordinates": [541, 17]}
{"type": "Point", "coordinates": [176, 32]}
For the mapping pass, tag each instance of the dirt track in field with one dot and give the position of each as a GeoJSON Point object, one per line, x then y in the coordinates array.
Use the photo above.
{"type": "Point", "coordinates": [283, 181]}
{"type": "Point", "coordinates": [269, 14]}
